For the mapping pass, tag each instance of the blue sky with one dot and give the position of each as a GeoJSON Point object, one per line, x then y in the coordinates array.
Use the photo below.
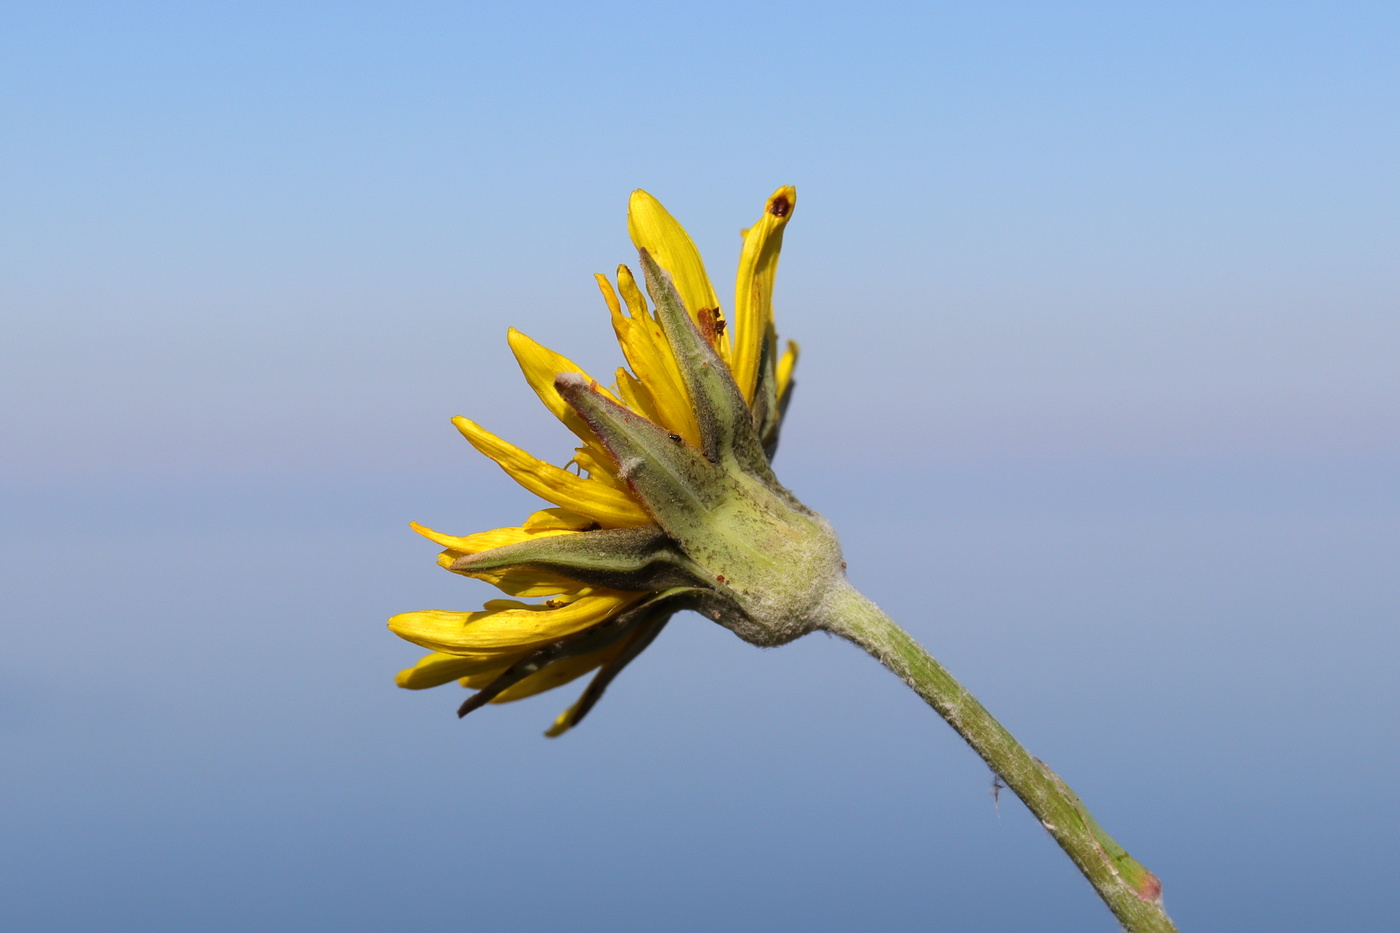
{"type": "Point", "coordinates": [1098, 307]}
{"type": "Point", "coordinates": [1068, 230]}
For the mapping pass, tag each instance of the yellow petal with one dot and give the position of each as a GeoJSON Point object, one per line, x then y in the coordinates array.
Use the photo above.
{"type": "Point", "coordinates": [483, 677]}
{"type": "Point", "coordinates": [558, 674]}
{"type": "Point", "coordinates": [517, 581]}
{"type": "Point", "coordinates": [485, 540]}
{"type": "Point", "coordinates": [436, 669]}
{"type": "Point", "coordinates": [632, 294]}
{"type": "Point", "coordinates": [647, 352]}
{"type": "Point", "coordinates": [785, 367]}
{"type": "Point", "coordinates": [753, 288]}
{"type": "Point", "coordinates": [540, 365]}
{"type": "Point", "coordinates": [562, 723]}
{"type": "Point", "coordinates": [553, 519]}
{"type": "Point", "coordinates": [653, 229]}
{"type": "Point", "coordinates": [598, 467]}
{"type": "Point", "coordinates": [635, 393]}
{"type": "Point", "coordinates": [609, 295]}
{"type": "Point", "coordinates": [511, 626]}
{"type": "Point", "coordinates": [604, 504]}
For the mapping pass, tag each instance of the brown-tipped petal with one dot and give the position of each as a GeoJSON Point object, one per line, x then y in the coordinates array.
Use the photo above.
{"type": "Point", "coordinates": [753, 288]}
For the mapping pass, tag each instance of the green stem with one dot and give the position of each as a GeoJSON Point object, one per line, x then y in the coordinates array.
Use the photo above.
{"type": "Point", "coordinates": [1131, 891]}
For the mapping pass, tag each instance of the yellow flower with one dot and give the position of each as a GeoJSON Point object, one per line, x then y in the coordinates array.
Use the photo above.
{"type": "Point", "coordinates": [609, 565]}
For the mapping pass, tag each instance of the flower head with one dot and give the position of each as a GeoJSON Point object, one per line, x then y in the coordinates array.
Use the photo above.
{"type": "Point", "coordinates": [673, 504]}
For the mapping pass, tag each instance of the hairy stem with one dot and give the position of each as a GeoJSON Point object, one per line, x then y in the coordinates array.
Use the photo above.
{"type": "Point", "coordinates": [1131, 891]}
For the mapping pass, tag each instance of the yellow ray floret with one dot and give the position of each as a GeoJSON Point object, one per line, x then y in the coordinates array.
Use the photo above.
{"type": "Point", "coordinates": [557, 519]}
{"type": "Point", "coordinates": [637, 396]}
{"type": "Point", "coordinates": [604, 504]}
{"type": "Point", "coordinates": [486, 540]}
{"type": "Point", "coordinates": [653, 229]}
{"type": "Point", "coordinates": [599, 466]}
{"type": "Point", "coordinates": [541, 365]}
{"type": "Point", "coordinates": [557, 674]}
{"type": "Point", "coordinates": [786, 365]}
{"type": "Point", "coordinates": [517, 581]}
{"type": "Point", "coordinates": [650, 356]}
{"type": "Point", "coordinates": [436, 669]}
{"type": "Point", "coordinates": [477, 671]}
{"type": "Point", "coordinates": [753, 287]}
{"type": "Point", "coordinates": [506, 624]}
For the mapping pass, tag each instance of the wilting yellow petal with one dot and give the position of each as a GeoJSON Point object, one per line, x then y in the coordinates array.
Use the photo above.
{"type": "Point", "coordinates": [562, 722]}
{"type": "Point", "coordinates": [635, 392]}
{"type": "Point", "coordinates": [648, 353]}
{"type": "Point", "coordinates": [604, 504]}
{"type": "Point", "coordinates": [609, 295]}
{"type": "Point", "coordinates": [566, 720]}
{"type": "Point", "coordinates": [559, 673]}
{"type": "Point", "coordinates": [786, 365]}
{"type": "Point", "coordinates": [540, 365]}
{"type": "Point", "coordinates": [753, 288]}
{"type": "Point", "coordinates": [514, 625]}
{"type": "Point", "coordinates": [599, 467]}
{"type": "Point", "coordinates": [653, 229]}
{"type": "Point", "coordinates": [486, 540]}
{"type": "Point", "coordinates": [552, 519]}
{"type": "Point", "coordinates": [517, 581]}
{"type": "Point", "coordinates": [637, 396]}
{"type": "Point", "coordinates": [436, 669]}
{"type": "Point", "coordinates": [632, 294]}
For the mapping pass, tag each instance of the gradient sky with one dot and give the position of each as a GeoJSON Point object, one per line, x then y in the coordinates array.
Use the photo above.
{"type": "Point", "coordinates": [1100, 314]}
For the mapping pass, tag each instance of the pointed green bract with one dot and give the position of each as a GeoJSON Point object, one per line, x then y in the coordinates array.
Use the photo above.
{"type": "Point", "coordinates": [673, 481]}
{"type": "Point", "coordinates": [618, 558]}
{"type": "Point", "coordinates": [767, 410]}
{"type": "Point", "coordinates": [765, 555]}
{"type": "Point", "coordinates": [726, 423]}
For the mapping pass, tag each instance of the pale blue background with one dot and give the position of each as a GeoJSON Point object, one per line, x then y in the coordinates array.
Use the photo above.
{"type": "Point", "coordinates": [1100, 308]}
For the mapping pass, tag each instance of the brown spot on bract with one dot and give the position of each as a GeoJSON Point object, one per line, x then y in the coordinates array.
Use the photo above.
{"type": "Point", "coordinates": [719, 579]}
{"type": "Point", "coordinates": [780, 206]}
